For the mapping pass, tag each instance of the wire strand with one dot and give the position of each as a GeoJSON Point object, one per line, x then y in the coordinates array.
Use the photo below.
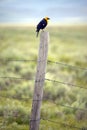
{"type": "Point", "coordinates": [67, 106]}
{"type": "Point", "coordinates": [63, 124]}
{"type": "Point", "coordinates": [56, 122]}
{"type": "Point", "coordinates": [16, 60]}
{"type": "Point", "coordinates": [50, 80]}
{"type": "Point", "coordinates": [15, 78]}
{"type": "Point", "coordinates": [70, 66]}
{"type": "Point", "coordinates": [55, 81]}
{"type": "Point", "coordinates": [44, 99]}
{"type": "Point", "coordinates": [49, 61]}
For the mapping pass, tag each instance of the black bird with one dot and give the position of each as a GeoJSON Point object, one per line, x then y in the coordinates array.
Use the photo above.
{"type": "Point", "coordinates": [42, 24]}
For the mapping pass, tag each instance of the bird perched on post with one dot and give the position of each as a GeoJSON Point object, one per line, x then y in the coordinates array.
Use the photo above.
{"type": "Point", "coordinates": [42, 24]}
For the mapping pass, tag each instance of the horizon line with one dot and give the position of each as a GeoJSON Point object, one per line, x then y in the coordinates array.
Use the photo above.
{"type": "Point", "coordinates": [28, 24]}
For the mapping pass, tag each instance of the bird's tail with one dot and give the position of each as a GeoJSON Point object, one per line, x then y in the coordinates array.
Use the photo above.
{"type": "Point", "coordinates": [37, 32]}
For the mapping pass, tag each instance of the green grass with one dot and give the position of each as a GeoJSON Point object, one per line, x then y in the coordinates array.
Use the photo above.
{"type": "Point", "coordinates": [67, 45]}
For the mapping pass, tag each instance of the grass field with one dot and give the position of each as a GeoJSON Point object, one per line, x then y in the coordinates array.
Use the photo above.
{"type": "Point", "coordinates": [64, 104]}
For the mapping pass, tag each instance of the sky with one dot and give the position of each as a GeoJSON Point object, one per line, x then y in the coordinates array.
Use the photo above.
{"type": "Point", "coordinates": [32, 11]}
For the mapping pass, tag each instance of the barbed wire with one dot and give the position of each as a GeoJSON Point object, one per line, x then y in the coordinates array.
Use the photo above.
{"type": "Point", "coordinates": [55, 81]}
{"type": "Point", "coordinates": [50, 80]}
{"type": "Point", "coordinates": [63, 124]}
{"type": "Point", "coordinates": [65, 64]}
{"type": "Point", "coordinates": [63, 105]}
{"type": "Point", "coordinates": [15, 78]}
{"type": "Point", "coordinates": [65, 83]}
{"type": "Point", "coordinates": [44, 99]}
{"type": "Point", "coordinates": [20, 60]}
{"type": "Point", "coordinates": [46, 119]}
{"type": "Point", "coordinates": [52, 121]}
{"type": "Point", "coordinates": [75, 108]}
{"type": "Point", "coordinates": [16, 60]}
{"type": "Point", "coordinates": [49, 61]}
{"type": "Point", "coordinates": [17, 98]}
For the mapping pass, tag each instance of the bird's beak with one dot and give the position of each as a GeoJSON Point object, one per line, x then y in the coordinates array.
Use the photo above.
{"type": "Point", "coordinates": [48, 18]}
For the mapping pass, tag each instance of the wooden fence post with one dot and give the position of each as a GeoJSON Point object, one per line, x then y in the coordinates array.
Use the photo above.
{"type": "Point", "coordinates": [39, 81]}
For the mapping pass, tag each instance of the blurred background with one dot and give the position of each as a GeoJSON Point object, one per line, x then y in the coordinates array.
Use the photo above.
{"type": "Point", "coordinates": [64, 105]}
